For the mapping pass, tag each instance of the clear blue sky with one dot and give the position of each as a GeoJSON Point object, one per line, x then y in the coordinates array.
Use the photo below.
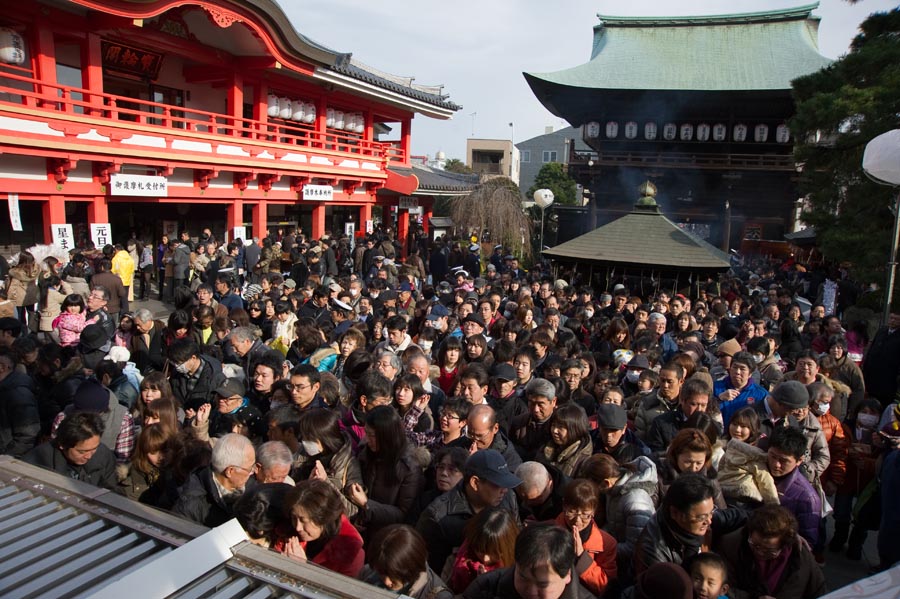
{"type": "Point", "coordinates": [479, 49]}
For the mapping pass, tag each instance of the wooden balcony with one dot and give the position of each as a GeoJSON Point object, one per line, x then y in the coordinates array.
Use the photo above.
{"type": "Point", "coordinates": [117, 125]}
{"type": "Point", "coordinates": [684, 160]}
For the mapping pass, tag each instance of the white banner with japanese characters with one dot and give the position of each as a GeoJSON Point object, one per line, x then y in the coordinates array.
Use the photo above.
{"type": "Point", "coordinates": [239, 233]}
{"type": "Point", "coordinates": [101, 234]}
{"type": "Point", "coordinates": [138, 185]}
{"type": "Point", "coordinates": [63, 236]}
{"type": "Point", "coordinates": [15, 216]}
{"type": "Point", "coordinates": [318, 193]}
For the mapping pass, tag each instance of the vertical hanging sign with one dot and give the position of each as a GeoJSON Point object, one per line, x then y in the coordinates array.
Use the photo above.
{"type": "Point", "coordinates": [239, 233]}
{"type": "Point", "coordinates": [63, 236]}
{"type": "Point", "coordinates": [15, 217]}
{"type": "Point", "coordinates": [101, 234]}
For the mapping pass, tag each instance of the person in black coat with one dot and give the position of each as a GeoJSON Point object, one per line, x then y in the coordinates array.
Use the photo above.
{"type": "Point", "coordinates": [196, 376]}
{"type": "Point", "coordinates": [20, 421]}
{"type": "Point", "coordinates": [77, 453]}
{"type": "Point", "coordinates": [209, 495]}
{"type": "Point", "coordinates": [881, 367]}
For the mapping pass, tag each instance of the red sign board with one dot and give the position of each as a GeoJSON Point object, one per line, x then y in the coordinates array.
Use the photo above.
{"type": "Point", "coordinates": [128, 59]}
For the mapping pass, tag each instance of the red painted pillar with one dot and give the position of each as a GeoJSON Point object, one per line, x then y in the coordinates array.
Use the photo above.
{"type": "Point", "coordinates": [406, 139]}
{"type": "Point", "coordinates": [427, 213]}
{"type": "Point", "coordinates": [403, 230]}
{"type": "Point", "coordinates": [261, 107]}
{"type": "Point", "coordinates": [318, 221]}
{"type": "Point", "coordinates": [235, 216]}
{"type": "Point", "coordinates": [54, 209]}
{"type": "Point", "coordinates": [260, 217]}
{"type": "Point", "coordinates": [365, 214]}
{"type": "Point", "coordinates": [98, 210]}
{"type": "Point", "coordinates": [321, 120]}
{"type": "Point", "coordinates": [235, 102]}
{"type": "Point", "coordinates": [44, 49]}
{"type": "Point", "coordinates": [92, 69]}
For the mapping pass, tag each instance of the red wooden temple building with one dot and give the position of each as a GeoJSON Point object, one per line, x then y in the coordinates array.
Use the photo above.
{"type": "Point", "coordinates": [187, 114]}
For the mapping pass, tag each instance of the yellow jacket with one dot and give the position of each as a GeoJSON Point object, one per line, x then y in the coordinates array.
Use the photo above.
{"type": "Point", "coordinates": [123, 265]}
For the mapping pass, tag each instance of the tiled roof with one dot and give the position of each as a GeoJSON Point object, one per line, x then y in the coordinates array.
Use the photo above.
{"type": "Point", "coordinates": [435, 180]}
{"type": "Point", "coordinates": [644, 238]}
{"type": "Point", "coordinates": [754, 51]}
{"type": "Point", "coordinates": [423, 93]}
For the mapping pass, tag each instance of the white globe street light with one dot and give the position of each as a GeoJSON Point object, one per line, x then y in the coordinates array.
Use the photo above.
{"type": "Point", "coordinates": [881, 162]}
{"type": "Point", "coordinates": [543, 198]}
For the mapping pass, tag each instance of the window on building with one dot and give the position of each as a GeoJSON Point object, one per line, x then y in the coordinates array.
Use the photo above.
{"type": "Point", "coordinates": [525, 156]}
{"type": "Point", "coordinates": [549, 156]}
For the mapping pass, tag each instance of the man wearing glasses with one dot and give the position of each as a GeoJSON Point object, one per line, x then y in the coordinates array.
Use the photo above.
{"type": "Point", "coordinates": [304, 388]}
{"type": "Point", "coordinates": [679, 529]}
{"type": "Point", "coordinates": [97, 303]}
{"type": "Point", "coordinates": [210, 493]}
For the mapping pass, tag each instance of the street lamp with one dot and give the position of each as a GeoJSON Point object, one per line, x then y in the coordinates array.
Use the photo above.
{"type": "Point", "coordinates": [881, 163]}
{"type": "Point", "coordinates": [543, 198]}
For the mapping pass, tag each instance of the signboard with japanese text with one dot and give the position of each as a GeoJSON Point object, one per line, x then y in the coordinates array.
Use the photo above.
{"type": "Point", "coordinates": [15, 216]}
{"type": "Point", "coordinates": [318, 193]}
{"type": "Point", "coordinates": [407, 203]}
{"type": "Point", "coordinates": [63, 236]}
{"type": "Point", "coordinates": [101, 234]}
{"type": "Point", "coordinates": [138, 185]}
{"type": "Point", "coordinates": [370, 226]}
{"type": "Point", "coordinates": [349, 229]}
{"type": "Point", "coordinates": [128, 59]}
{"type": "Point", "coordinates": [239, 233]}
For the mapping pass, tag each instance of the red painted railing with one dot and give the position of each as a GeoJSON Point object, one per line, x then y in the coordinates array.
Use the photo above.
{"type": "Point", "coordinates": [19, 88]}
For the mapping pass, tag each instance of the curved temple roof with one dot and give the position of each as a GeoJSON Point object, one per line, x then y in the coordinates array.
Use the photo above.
{"type": "Point", "coordinates": [752, 51]}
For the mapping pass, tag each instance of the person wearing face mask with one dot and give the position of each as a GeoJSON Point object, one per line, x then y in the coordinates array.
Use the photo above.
{"type": "Point", "coordinates": [820, 396]}
{"type": "Point", "coordinates": [770, 373]}
{"type": "Point", "coordinates": [196, 376]}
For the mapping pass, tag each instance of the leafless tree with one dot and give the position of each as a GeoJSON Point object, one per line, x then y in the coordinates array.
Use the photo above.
{"type": "Point", "coordinates": [495, 206]}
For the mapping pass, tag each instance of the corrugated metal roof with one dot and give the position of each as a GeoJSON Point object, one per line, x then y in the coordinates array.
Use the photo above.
{"type": "Point", "coordinates": [756, 51]}
{"type": "Point", "coordinates": [60, 538]}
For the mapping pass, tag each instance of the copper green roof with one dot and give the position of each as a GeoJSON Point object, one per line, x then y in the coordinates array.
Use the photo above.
{"type": "Point", "coordinates": [642, 238]}
{"type": "Point", "coordinates": [751, 51]}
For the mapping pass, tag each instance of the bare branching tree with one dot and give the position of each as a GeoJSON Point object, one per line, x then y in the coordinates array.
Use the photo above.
{"type": "Point", "coordinates": [495, 206]}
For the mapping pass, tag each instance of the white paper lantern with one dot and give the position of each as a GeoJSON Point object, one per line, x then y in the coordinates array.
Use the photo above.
{"type": "Point", "coordinates": [612, 129]}
{"type": "Point", "coordinates": [670, 131]}
{"type": "Point", "coordinates": [631, 130]}
{"type": "Point", "coordinates": [284, 108]}
{"type": "Point", "coordinates": [309, 113]}
{"type": "Point", "coordinates": [329, 117]}
{"type": "Point", "coordinates": [739, 133]}
{"type": "Point", "coordinates": [761, 133]}
{"type": "Point", "coordinates": [338, 119]}
{"type": "Point", "coordinates": [272, 105]}
{"type": "Point", "coordinates": [703, 132]}
{"type": "Point", "coordinates": [687, 132]}
{"type": "Point", "coordinates": [350, 122]}
{"type": "Point", "coordinates": [12, 46]}
{"type": "Point", "coordinates": [360, 123]}
{"type": "Point", "coordinates": [782, 134]}
{"type": "Point", "coordinates": [297, 107]}
{"type": "Point", "coordinates": [543, 198]}
{"type": "Point", "coordinates": [719, 132]}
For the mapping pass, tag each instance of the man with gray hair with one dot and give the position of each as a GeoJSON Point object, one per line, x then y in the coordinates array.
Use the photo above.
{"type": "Point", "coordinates": [210, 493]}
{"type": "Point", "coordinates": [247, 346]}
{"type": "Point", "coordinates": [147, 342]}
{"type": "Point", "coordinates": [529, 432]}
{"type": "Point", "coordinates": [657, 324]}
{"type": "Point", "coordinates": [541, 492]}
{"type": "Point", "coordinates": [273, 463]}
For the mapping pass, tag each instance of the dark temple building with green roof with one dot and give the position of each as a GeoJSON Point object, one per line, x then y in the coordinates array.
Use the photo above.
{"type": "Point", "coordinates": [698, 105]}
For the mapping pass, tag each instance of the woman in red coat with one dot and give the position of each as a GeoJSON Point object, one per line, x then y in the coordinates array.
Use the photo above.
{"type": "Point", "coordinates": [595, 550]}
{"type": "Point", "coordinates": [324, 534]}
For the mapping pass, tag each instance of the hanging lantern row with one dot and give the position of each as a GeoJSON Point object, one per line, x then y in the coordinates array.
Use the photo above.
{"type": "Point", "coordinates": [291, 110]}
{"type": "Point", "coordinates": [354, 122]}
{"type": "Point", "coordinates": [12, 46]}
{"type": "Point", "coordinates": [687, 132]}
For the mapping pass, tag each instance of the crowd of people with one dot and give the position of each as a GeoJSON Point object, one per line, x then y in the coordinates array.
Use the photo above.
{"type": "Point", "coordinates": [440, 422]}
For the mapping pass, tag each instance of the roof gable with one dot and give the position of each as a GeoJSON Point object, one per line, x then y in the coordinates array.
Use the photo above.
{"type": "Point", "coordinates": [753, 51]}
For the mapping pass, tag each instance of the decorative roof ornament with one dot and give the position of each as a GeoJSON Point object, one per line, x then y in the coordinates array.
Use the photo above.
{"type": "Point", "coordinates": [647, 201]}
